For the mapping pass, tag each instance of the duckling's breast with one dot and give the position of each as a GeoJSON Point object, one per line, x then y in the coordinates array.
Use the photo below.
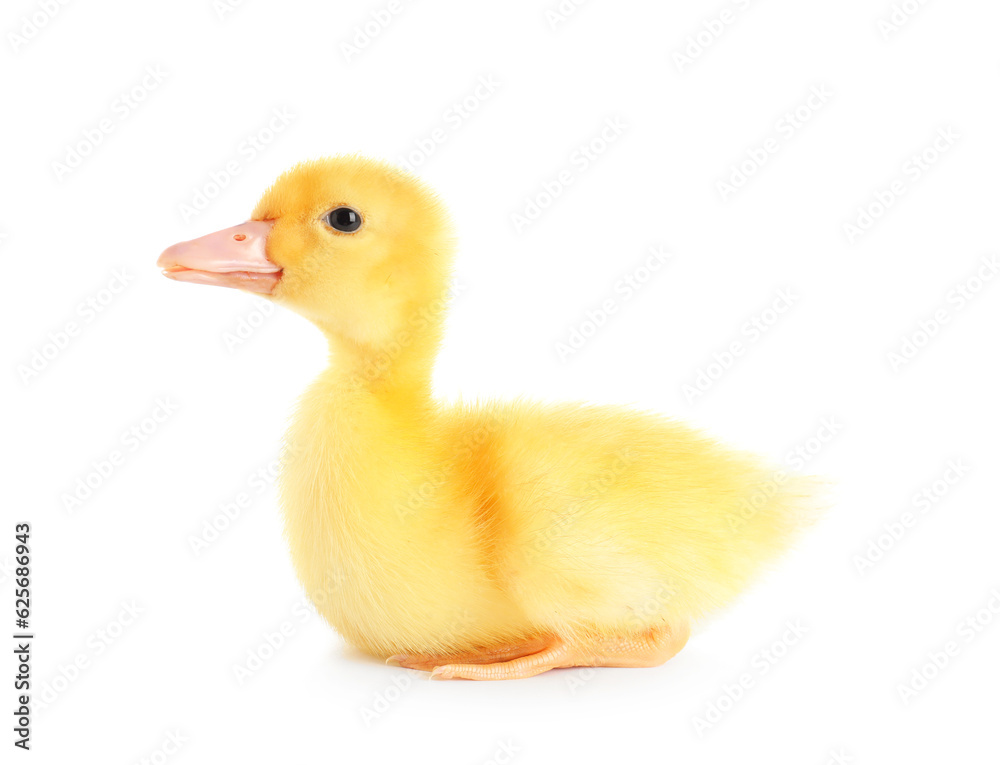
{"type": "Point", "coordinates": [386, 542]}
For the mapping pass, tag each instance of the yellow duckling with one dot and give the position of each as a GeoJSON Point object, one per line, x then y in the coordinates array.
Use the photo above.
{"type": "Point", "coordinates": [478, 541]}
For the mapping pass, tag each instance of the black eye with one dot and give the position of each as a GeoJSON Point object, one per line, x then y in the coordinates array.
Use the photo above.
{"type": "Point", "coordinates": [344, 219]}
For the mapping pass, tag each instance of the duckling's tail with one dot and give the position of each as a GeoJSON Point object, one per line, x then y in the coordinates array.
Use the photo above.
{"type": "Point", "coordinates": [756, 518]}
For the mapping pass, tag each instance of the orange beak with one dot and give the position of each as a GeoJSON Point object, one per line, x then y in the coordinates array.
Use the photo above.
{"type": "Point", "coordinates": [234, 257]}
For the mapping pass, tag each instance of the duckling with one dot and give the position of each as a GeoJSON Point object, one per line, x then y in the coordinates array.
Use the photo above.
{"type": "Point", "coordinates": [478, 541]}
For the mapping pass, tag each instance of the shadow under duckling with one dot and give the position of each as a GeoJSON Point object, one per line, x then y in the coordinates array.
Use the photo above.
{"type": "Point", "coordinates": [487, 541]}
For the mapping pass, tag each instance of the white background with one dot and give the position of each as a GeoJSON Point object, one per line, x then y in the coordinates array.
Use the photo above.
{"type": "Point", "coordinates": [65, 232]}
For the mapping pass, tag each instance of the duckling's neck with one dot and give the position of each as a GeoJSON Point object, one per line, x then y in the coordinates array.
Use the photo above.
{"type": "Point", "coordinates": [396, 373]}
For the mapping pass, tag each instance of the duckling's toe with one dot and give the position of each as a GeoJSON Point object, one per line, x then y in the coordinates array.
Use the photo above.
{"type": "Point", "coordinates": [427, 662]}
{"type": "Point", "coordinates": [410, 661]}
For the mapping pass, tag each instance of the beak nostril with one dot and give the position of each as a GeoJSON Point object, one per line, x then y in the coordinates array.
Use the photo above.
{"type": "Point", "coordinates": [239, 237]}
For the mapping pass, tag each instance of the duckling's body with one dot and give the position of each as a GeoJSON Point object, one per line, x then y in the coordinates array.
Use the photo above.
{"type": "Point", "coordinates": [506, 522]}
{"type": "Point", "coordinates": [481, 541]}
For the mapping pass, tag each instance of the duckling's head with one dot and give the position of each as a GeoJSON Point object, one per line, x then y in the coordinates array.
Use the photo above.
{"type": "Point", "coordinates": [357, 246]}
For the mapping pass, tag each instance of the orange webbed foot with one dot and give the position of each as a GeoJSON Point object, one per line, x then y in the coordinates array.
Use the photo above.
{"type": "Point", "coordinates": [649, 650]}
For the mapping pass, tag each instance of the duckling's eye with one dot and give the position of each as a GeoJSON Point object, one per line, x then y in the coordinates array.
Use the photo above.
{"type": "Point", "coordinates": [344, 219]}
